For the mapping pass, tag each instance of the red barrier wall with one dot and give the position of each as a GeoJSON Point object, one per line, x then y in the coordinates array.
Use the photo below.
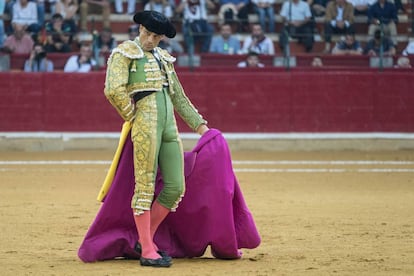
{"type": "Point", "coordinates": [238, 101]}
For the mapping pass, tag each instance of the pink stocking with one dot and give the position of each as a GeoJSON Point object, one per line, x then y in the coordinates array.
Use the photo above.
{"type": "Point", "coordinates": [143, 222]}
{"type": "Point", "coordinates": [158, 214]}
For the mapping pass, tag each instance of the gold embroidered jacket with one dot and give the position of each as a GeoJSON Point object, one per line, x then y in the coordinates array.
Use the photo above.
{"type": "Point", "coordinates": [131, 70]}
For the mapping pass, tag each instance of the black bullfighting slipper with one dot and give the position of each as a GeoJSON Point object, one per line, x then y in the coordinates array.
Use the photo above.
{"type": "Point", "coordinates": [163, 254]}
{"type": "Point", "coordinates": [138, 248]}
{"type": "Point", "coordinates": [160, 262]}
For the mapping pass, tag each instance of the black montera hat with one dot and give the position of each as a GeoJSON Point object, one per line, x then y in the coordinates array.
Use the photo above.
{"type": "Point", "coordinates": [155, 22]}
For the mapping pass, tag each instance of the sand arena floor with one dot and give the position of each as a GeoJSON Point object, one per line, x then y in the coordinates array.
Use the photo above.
{"type": "Point", "coordinates": [318, 213]}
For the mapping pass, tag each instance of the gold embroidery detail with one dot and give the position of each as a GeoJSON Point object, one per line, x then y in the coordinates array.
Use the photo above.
{"type": "Point", "coordinates": [143, 136]}
{"type": "Point", "coordinates": [115, 86]}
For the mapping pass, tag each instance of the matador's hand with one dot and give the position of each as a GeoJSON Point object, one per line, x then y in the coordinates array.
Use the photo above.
{"type": "Point", "coordinates": [202, 129]}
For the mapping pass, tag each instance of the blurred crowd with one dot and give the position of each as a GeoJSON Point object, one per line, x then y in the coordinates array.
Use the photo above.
{"type": "Point", "coordinates": [83, 27]}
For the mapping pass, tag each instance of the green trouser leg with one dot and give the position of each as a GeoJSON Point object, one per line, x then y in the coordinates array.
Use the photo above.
{"type": "Point", "coordinates": [156, 141]}
{"type": "Point", "coordinates": [172, 170]}
{"type": "Point", "coordinates": [171, 160]}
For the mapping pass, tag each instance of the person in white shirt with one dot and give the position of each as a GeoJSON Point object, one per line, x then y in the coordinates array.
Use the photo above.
{"type": "Point", "coordinates": [257, 42]}
{"type": "Point", "coordinates": [296, 16]}
{"type": "Point", "coordinates": [82, 63]}
{"type": "Point", "coordinates": [196, 28]}
{"type": "Point", "coordinates": [25, 14]}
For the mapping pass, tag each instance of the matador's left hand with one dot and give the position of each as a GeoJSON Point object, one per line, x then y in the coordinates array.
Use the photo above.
{"type": "Point", "coordinates": [202, 129]}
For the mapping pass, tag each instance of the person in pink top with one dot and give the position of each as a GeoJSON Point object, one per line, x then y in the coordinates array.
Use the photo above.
{"type": "Point", "coordinates": [20, 42]}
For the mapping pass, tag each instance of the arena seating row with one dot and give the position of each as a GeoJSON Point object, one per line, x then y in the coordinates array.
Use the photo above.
{"type": "Point", "coordinates": [121, 22]}
{"type": "Point", "coordinates": [225, 62]}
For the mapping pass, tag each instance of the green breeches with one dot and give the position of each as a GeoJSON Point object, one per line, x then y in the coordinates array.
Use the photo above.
{"type": "Point", "coordinates": [156, 143]}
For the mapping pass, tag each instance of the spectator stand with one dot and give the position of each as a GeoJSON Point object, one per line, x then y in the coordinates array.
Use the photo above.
{"type": "Point", "coordinates": [121, 22]}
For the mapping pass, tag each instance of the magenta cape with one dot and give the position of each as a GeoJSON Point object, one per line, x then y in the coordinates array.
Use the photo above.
{"type": "Point", "coordinates": [213, 211]}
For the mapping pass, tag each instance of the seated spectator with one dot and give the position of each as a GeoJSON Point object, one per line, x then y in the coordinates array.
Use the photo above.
{"type": "Point", "coordinates": [105, 42]}
{"type": "Point", "coordinates": [68, 10]}
{"type": "Point", "coordinates": [20, 42]}
{"type": "Point", "coordinates": [361, 6]}
{"type": "Point", "coordinates": [2, 29]}
{"type": "Point", "coordinates": [161, 6]}
{"type": "Point", "coordinates": [58, 35]}
{"type": "Point", "coordinates": [252, 61]}
{"type": "Point", "coordinates": [119, 8]}
{"type": "Point", "coordinates": [38, 61]}
{"type": "Point", "coordinates": [297, 19]}
{"type": "Point", "coordinates": [230, 9]}
{"type": "Point", "coordinates": [101, 7]}
{"type": "Point", "coordinates": [25, 13]}
{"type": "Point", "coordinates": [318, 7]}
{"type": "Point", "coordinates": [258, 42]}
{"type": "Point", "coordinates": [383, 13]}
{"type": "Point", "coordinates": [339, 19]}
{"type": "Point", "coordinates": [171, 45]}
{"type": "Point", "coordinates": [225, 43]}
{"type": "Point", "coordinates": [103, 45]}
{"type": "Point", "coordinates": [81, 63]}
{"type": "Point", "coordinates": [409, 49]}
{"type": "Point", "coordinates": [40, 5]}
{"type": "Point", "coordinates": [317, 62]}
{"type": "Point", "coordinates": [347, 46]}
{"type": "Point", "coordinates": [195, 25]}
{"type": "Point", "coordinates": [373, 47]}
{"type": "Point", "coordinates": [265, 11]}
{"type": "Point", "coordinates": [403, 62]}
{"type": "Point", "coordinates": [133, 31]}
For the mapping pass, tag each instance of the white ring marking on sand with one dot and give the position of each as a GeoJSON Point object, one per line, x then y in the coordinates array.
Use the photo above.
{"type": "Point", "coordinates": [235, 162]}
{"type": "Point", "coordinates": [252, 162]}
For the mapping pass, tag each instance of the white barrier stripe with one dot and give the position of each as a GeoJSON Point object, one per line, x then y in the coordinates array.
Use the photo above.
{"type": "Point", "coordinates": [321, 162]}
{"type": "Point", "coordinates": [235, 162]}
{"type": "Point", "coordinates": [46, 170]}
{"type": "Point", "coordinates": [56, 162]}
{"type": "Point", "coordinates": [243, 170]}
{"type": "Point", "coordinates": [65, 136]}
{"type": "Point", "coordinates": [244, 162]}
{"type": "Point", "coordinates": [301, 170]}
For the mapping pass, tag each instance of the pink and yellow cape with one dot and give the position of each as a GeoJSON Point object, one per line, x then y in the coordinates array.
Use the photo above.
{"type": "Point", "coordinates": [212, 213]}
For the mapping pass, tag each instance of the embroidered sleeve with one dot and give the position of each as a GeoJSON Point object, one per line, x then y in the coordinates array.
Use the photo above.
{"type": "Point", "coordinates": [116, 83]}
{"type": "Point", "coordinates": [182, 104]}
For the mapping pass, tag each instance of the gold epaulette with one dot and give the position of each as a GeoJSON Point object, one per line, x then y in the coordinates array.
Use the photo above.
{"type": "Point", "coordinates": [165, 55]}
{"type": "Point", "coordinates": [129, 49]}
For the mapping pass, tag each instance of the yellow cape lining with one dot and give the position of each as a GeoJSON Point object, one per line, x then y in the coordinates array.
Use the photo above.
{"type": "Point", "coordinates": [126, 127]}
